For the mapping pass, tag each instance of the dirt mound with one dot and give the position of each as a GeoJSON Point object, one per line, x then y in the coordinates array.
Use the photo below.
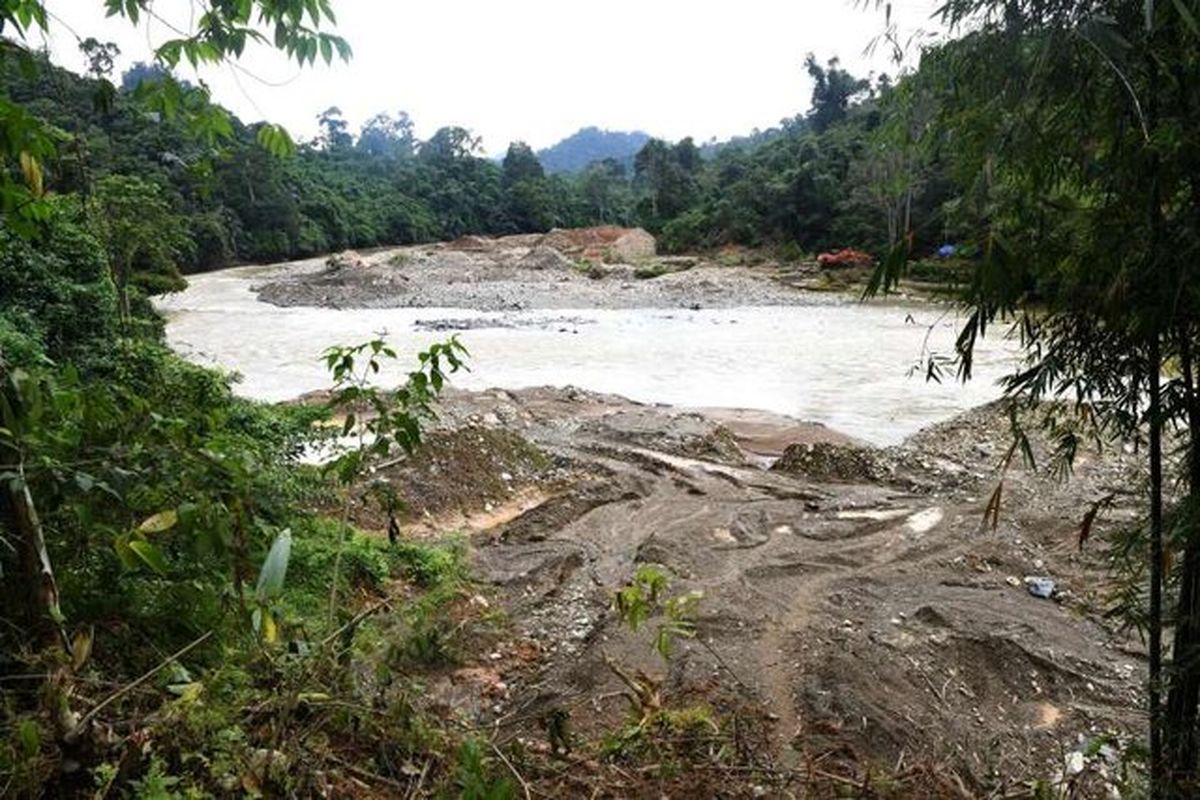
{"type": "Point", "coordinates": [458, 473]}
{"type": "Point", "coordinates": [607, 242]}
{"type": "Point", "coordinates": [471, 243]}
{"type": "Point", "coordinates": [826, 461]}
{"type": "Point", "coordinates": [682, 434]}
{"type": "Point", "coordinates": [345, 260]}
{"type": "Point", "coordinates": [523, 272]}
{"type": "Point", "coordinates": [544, 258]}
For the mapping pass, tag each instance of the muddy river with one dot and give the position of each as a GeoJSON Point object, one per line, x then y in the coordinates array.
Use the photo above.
{"type": "Point", "coordinates": [831, 360]}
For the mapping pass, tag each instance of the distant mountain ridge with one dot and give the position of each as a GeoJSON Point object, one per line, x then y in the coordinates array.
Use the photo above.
{"type": "Point", "coordinates": [586, 145]}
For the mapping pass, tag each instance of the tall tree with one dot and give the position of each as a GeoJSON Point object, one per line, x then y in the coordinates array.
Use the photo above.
{"type": "Point", "coordinates": [521, 164]}
{"type": "Point", "coordinates": [386, 136]}
{"type": "Point", "coordinates": [833, 90]}
{"type": "Point", "coordinates": [605, 191]}
{"type": "Point", "coordinates": [448, 144]}
{"type": "Point", "coordinates": [335, 131]}
{"type": "Point", "coordinates": [665, 176]}
{"type": "Point", "coordinates": [527, 193]}
{"type": "Point", "coordinates": [138, 229]}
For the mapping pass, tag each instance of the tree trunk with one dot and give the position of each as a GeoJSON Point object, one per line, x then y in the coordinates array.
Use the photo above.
{"type": "Point", "coordinates": [1184, 697]}
{"type": "Point", "coordinates": [119, 272]}
{"type": "Point", "coordinates": [1156, 564]}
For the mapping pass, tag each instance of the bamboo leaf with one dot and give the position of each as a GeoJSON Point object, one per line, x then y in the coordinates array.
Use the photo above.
{"type": "Point", "coordinates": [1085, 528]}
{"type": "Point", "coordinates": [1187, 16]}
{"type": "Point", "coordinates": [991, 512]}
{"type": "Point", "coordinates": [81, 649]}
{"type": "Point", "coordinates": [31, 168]}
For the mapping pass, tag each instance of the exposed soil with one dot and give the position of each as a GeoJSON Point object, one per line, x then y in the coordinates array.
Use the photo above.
{"type": "Point", "coordinates": [587, 268]}
{"type": "Point", "coordinates": [851, 595]}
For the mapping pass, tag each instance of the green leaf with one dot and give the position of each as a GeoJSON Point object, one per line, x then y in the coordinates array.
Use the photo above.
{"type": "Point", "coordinates": [30, 737]}
{"type": "Point", "coordinates": [275, 140]}
{"type": "Point", "coordinates": [274, 568]}
{"type": "Point", "coordinates": [186, 691]}
{"type": "Point", "coordinates": [125, 554]}
{"type": "Point", "coordinates": [149, 555]}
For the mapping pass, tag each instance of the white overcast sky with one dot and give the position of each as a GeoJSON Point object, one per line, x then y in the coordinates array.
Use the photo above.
{"type": "Point", "coordinates": [535, 69]}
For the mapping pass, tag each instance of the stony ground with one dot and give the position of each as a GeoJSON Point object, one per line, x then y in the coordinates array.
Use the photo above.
{"type": "Point", "coordinates": [515, 273]}
{"type": "Point", "coordinates": [852, 597]}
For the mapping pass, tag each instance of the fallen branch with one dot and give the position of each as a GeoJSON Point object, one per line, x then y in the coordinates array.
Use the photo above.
{"type": "Point", "coordinates": [366, 775]}
{"type": "Point", "coordinates": [725, 666]}
{"type": "Point", "coordinates": [512, 769]}
{"type": "Point", "coordinates": [358, 618]}
{"type": "Point", "coordinates": [74, 733]}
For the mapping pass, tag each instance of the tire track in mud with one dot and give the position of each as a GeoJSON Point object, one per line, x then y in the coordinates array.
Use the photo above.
{"type": "Point", "coordinates": [677, 515]}
{"type": "Point", "coordinates": [866, 607]}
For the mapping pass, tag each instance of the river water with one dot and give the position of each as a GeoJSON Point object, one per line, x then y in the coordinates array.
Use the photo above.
{"type": "Point", "coordinates": [846, 364]}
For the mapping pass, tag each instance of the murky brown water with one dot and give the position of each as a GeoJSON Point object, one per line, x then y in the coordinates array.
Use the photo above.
{"type": "Point", "coordinates": [839, 362]}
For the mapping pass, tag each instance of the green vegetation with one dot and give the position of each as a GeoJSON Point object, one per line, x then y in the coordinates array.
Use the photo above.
{"type": "Point", "coordinates": [822, 180]}
{"type": "Point", "coordinates": [176, 618]}
{"type": "Point", "coordinates": [1064, 127]}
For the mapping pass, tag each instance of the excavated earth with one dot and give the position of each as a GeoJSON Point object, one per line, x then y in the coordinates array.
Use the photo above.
{"type": "Point", "coordinates": [852, 595]}
{"type": "Point", "coordinates": [582, 268]}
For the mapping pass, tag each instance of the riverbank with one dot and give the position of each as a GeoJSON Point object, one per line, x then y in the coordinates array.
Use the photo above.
{"type": "Point", "coordinates": [559, 270]}
{"type": "Point", "coordinates": [854, 605]}
{"type": "Point", "coordinates": [855, 612]}
{"type": "Point", "coordinates": [824, 357]}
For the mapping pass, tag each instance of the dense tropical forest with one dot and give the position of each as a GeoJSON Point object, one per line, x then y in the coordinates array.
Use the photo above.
{"type": "Point", "coordinates": [814, 184]}
{"type": "Point", "coordinates": [148, 513]}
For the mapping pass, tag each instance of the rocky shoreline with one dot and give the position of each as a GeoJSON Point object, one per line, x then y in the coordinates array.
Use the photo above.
{"type": "Point", "coordinates": [559, 270]}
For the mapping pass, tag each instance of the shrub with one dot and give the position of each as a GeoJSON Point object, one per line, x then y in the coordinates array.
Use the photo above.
{"type": "Point", "coordinates": [212, 241]}
{"type": "Point", "coordinates": [57, 292]}
{"type": "Point", "coordinates": [689, 231]}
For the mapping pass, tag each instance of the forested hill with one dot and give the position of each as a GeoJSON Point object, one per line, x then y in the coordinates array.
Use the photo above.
{"type": "Point", "coordinates": [813, 184]}
{"type": "Point", "coordinates": [589, 145]}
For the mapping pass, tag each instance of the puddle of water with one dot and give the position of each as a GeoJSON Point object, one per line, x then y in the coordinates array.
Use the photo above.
{"type": "Point", "coordinates": [842, 363]}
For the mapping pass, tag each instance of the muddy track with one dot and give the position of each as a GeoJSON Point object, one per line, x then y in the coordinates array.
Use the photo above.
{"type": "Point", "coordinates": [855, 610]}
